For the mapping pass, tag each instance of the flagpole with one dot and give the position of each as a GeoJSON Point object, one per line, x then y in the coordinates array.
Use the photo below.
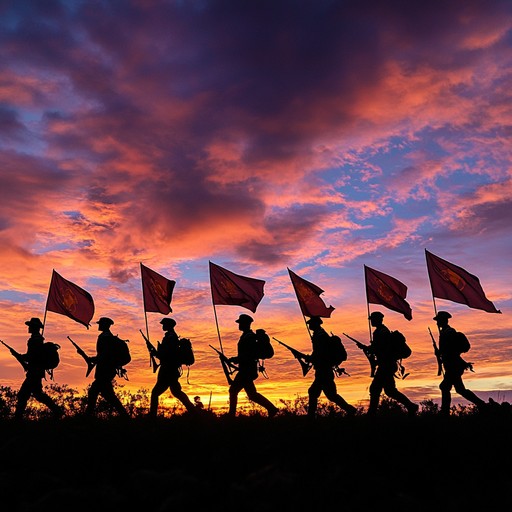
{"type": "Point", "coordinates": [215, 315]}
{"type": "Point", "coordinates": [432, 291]}
{"type": "Point", "coordinates": [46, 305]}
{"type": "Point", "coordinates": [367, 303]}
{"type": "Point", "coordinates": [369, 322]}
{"type": "Point", "coordinates": [307, 326]}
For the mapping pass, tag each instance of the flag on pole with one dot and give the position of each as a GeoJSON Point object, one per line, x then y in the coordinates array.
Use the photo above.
{"type": "Point", "coordinates": [66, 298]}
{"type": "Point", "coordinates": [156, 291]}
{"type": "Point", "coordinates": [308, 295]}
{"type": "Point", "coordinates": [235, 290]}
{"type": "Point", "coordinates": [387, 291]}
{"type": "Point", "coordinates": [450, 282]}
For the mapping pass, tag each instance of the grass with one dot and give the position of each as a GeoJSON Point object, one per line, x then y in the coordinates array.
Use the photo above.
{"type": "Point", "coordinates": [252, 463]}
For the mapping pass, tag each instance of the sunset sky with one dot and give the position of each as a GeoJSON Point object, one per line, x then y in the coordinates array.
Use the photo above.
{"type": "Point", "coordinates": [259, 135]}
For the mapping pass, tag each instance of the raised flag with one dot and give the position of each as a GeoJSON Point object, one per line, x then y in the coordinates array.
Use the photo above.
{"type": "Point", "coordinates": [66, 298]}
{"type": "Point", "coordinates": [234, 290]}
{"type": "Point", "coordinates": [156, 291]}
{"type": "Point", "coordinates": [451, 282]}
{"type": "Point", "coordinates": [387, 291]}
{"type": "Point", "coordinates": [308, 295]}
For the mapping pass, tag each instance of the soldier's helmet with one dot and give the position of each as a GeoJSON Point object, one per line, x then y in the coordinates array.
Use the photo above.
{"type": "Point", "coordinates": [442, 315]}
{"type": "Point", "coordinates": [315, 320]}
{"type": "Point", "coordinates": [168, 322]}
{"type": "Point", "coordinates": [105, 321]}
{"type": "Point", "coordinates": [34, 322]}
{"type": "Point", "coordinates": [244, 319]}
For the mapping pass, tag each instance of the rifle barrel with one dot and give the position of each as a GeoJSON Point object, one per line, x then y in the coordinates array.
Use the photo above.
{"type": "Point", "coordinates": [305, 364]}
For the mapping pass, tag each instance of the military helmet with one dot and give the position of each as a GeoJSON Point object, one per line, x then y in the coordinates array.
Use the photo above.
{"type": "Point", "coordinates": [36, 322]}
{"type": "Point", "coordinates": [168, 322]}
{"type": "Point", "coordinates": [105, 321]}
{"type": "Point", "coordinates": [315, 320]}
{"type": "Point", "coordinates": [442, 314]}
{"type": "Point", "coordinates": [244, 319]}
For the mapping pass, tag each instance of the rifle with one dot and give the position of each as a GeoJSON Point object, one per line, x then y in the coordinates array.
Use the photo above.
{"type": "Point", "coordinates": [90, 362]}
{"type": "Point", "coordinates": [17, 355]}
{"type": "Point", "coordinates": [437, 354]}
{"type": "Point", "coordinates": [227, 366]}
{"type": "Point", "coordinates": [152, 351]}
{"type": "Point", "coordinates": [303, 359]}
{"type": "Point", "coordinates": [367, 352]}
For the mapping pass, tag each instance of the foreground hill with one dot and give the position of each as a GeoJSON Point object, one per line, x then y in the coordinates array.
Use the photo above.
{"type": "Point", "coordinates": [252, 463]}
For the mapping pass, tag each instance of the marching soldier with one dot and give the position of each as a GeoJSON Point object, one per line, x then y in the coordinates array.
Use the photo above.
{"type": "Point", "coordinates": [321, 360]}
{"type": "Point", "coordinates": [247, 361]}
{"type": "Point", "coordinates": [169, 355]}
{"type": "Point", "coordinates": [387, 365]}
{"type": "Point", "coordinates": [451, 345]}
{"type": "Point", "coordinates": [106, 371]}
{"type": "Point", "coordinates": [35, 372]}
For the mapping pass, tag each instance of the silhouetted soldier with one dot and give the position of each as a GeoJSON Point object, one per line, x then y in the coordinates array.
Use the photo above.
{"type": "Point", "coordinates": [106, 371]}
{"type": "Point", "coordinates": [168, 352]}
{"type": "Point", "coordinates": [247, 361]}
{"type": "Point", "coordinates": [451, 345]}
{"type": "Point", "coordinates": [387, 365]}
{"type": "Point", "coordinates": [321, 359]}
{"type": "Point", "coordinates": [35, 372]}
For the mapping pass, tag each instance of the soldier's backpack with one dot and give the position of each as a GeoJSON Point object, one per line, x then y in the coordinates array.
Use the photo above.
{"type": "Point", "coordinates": [337, 349]}
{"type": "Point", "coordinates": [49, 357]}
{"type": "Point", "coordinates": [399, 346]}
{"type": "Point", "coordinates": [119, 352]}
{"type": "Point", "coordinates": [462, 342]}
{"type": "Point", "coordinates": [186, 352]}
{"type": "Point", "coordinates": [264, 348]}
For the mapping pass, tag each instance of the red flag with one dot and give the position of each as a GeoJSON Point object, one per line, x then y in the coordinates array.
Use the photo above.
{"type": "Point", "coordinates": [156, 291]}
{"type": "Point", "coordinates": [387, 291]}
{"type": "Point", "coordinates": [234, 290]}
{"type": "Point", "coordinates": [450, 282]}
{"type": "Point", "coordinates": [308, 295]}
{"type": "Point", "coordinates": [66, 298]}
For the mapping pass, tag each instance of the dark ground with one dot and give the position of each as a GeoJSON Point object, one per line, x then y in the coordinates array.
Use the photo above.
{"type": "Point", "coordinates": [253, 463]}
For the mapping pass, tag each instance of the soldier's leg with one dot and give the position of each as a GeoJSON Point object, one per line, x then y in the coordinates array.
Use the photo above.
{"type": "Point", "coordinates": [92, 397]}
{"type": "Point", "coordinates": [178, 393]}
{"type": "Point", "coordinates": [391, 391]}
{"type": "Point", "coordinates": [236, 386]}
{"type": "Point", "coordinates": [159, 388]}
{"type": "Point", "coordinates": [375, 391]}
{"type": "Point", "coordinates": [259, 399]}
{"type": "Point", "coordinates": [446, 396]}
{"type": "Point", "coordinates": [47, 400]}
{"type": "Point", "coordinates": [461, 389]}
{"type": "Point", "coordinates": [314, 392]}
{"type": "Point", "coordinates": [22, 399]}
{"type": "Point", "coordinates": [108, 393]}
{"type": "Point", "coordinates": [332, 394]}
